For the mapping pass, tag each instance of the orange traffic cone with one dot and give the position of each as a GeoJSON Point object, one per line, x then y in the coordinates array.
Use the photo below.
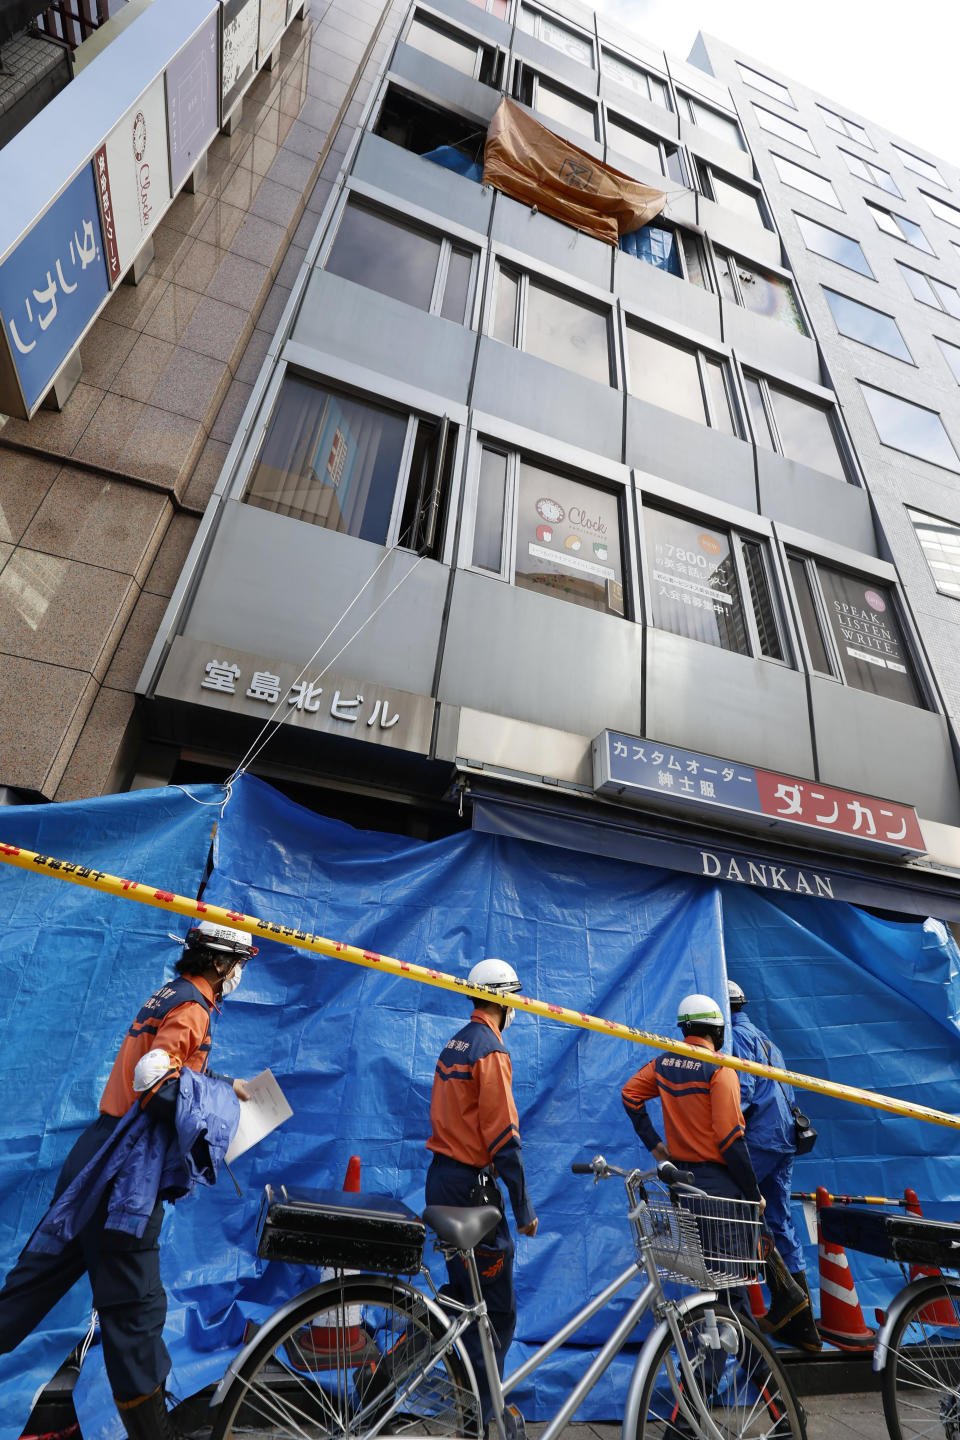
{"type": "Point", "coordinates": [338, 1334]}
{"type": "Point", "coordinates": [757, 1305]}
{"type": "Point", "coordinates": [938, 1312]}
{"type": "Point", "coordinates": [841, 1319]}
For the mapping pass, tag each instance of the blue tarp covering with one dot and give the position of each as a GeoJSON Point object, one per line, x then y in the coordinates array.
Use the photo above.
{"type": "Point", "coordinates": [450, 158]}
{"type": "Point", "coordinates": [847, 996]}
{"type": "Point", "coordinates": [656, 245]}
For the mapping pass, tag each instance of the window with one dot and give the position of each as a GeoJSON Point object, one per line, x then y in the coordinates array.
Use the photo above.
{"type": "Point", "coordinates": [900, 227]}
{"type": "Point", "coordinates": [930, 291]}
{"type": "Point", "coordinates": [348, 465]}
{"type": "Point", "coordinates": [951, 353]}
{"type": "Point", "coordinates": [455, 49]}
{"type": "Point", "coordinates": [645, 148]}
{"type": "Point", "coordinates": [735, 195]}
{"type": "Point", "coordinates": [541, 320]}
{"type": "Point", "coordinates": [723, 126]}
{"type": "Point", "coordinates": [852, 631]}
{"type": "Point", "coordinates": [634, 78]}
{"type": "Point", "coordinates": [668, 248]}
{"type": "Point", "coordinates": [795, 426]}
{"type": "Point", "coordinates": [948, 213]}
{"type": "Point", "coordinates": [431, 131]}
{"type": "Point", "coordinates": [677, 377]}
{"type": "Point", "coordinates": [842, 249]}
{"type": "Point", "coordinates": [562, 37]}
{"type": "Point", "coordinates": [412, 265]}
{"type": "Point", "coordinates": [709, 584]}
{"type": "Point", "coordinates": [873, 174]}
{"type": "Point", "coordinates": [786, 129]}
{"type": "Point", "coordinates": [555, 102]}
{"type": "Point", "coordinates": [926, 168]}
{"type": "Point", "coordinates": [759, 291]}
{"type": "Point", "coordinates": [548, 532]}
{"type": "Point", "coordinates": [495, 7]}
{"type": "Point", "coordinates": [940, 542]}
{"type": "Point", "coordinates": [818, 187]}
{"type": "Point", "coordinates": [871, 327]}
{"type": "Point", "coordinates": [912, 428]}
{"type": "Point", "coordinates": [850, 128]}
{"type": "Point", "coordinates": [773, 88]}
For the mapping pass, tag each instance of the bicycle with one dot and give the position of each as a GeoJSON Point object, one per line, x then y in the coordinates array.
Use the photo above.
{"type": "Point", "coordinates": [917, 1350]}
{"type": "Point", "coordinates": [371, 1356]}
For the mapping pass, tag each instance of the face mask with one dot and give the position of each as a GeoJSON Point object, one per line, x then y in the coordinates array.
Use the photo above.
{"type": "Point", "coordinates": [508, 1018]}
{"type": "Point", "coordinates": [232, 980]}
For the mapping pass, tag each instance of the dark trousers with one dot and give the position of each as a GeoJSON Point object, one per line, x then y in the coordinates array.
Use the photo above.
{"type": "Point", "coordinates": [124, 1276]}
{"type": "Point", "coordinates": [450, 1183]}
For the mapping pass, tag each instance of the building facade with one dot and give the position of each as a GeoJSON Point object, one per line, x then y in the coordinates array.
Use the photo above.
{"type": "Point", "coordinates": [500, 521]}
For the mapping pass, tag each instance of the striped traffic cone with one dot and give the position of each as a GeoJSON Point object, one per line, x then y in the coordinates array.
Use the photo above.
{"type": "Point", "coordinates": [938, 1312]}
{"type": "Point", "coordinates": [336, 1334]}
{"type": "Point", "coordinates": [841, 1319]}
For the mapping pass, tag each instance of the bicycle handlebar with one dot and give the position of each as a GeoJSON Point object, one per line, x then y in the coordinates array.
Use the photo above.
{"type": "Point", "coordinates": [666, 1172]}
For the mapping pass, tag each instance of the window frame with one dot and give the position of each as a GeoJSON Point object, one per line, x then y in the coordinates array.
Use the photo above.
{"type": "Point", "coordinates": [703, 355]}
{"type": "Point", "coordinates": [914, 515]}
{"type": "Point", "coordinates": [905, 156]}
{"type": "Point", "coordinates": [614, 116]}
{"type": "Point", "coordinates": [746, 70]}
{"type": "Point", "coordinates": [412, 218]}
{"type": "Point", "coordinates": [562, 23]}
{"type": "Point", "coordinates": [946, 345]}
{"type": "Point", "coordinates": [867, 274]}
{"type": "Point", "coordinates": [527, 73]}
{"type": "Point", "coordinates": [451, 428]}
{"type": "Point", "coordinates": [687, 237]}
{"type": "Point", "coordinates": [845, 453]}
{"type": "Point", "coordinates": [686, 106]}
{"type": "Point", "coordinates": [734, 263]}
{"type": "Point", "coordinates": [841, 128]}
{"type": "Point", "coordinates": [937, 200]}
{"type": "Point", "coordinates": [485, 49]}
{"type": "Point", "coordinates": [516, 453]}
{"type": "Point", "coordinates": [892, 189]}
{"type": "Point", "coordinates": [929, 410]}
{"type": "Point", "coordinates": [810, 562]}
{"type": "Point", "coordinates": [932, 283]}
{"type": "Point", "coordinates": [857, 340]}
{"type": "Point", "coordinates": [738, 535]}
{"type": "Point", "coordinates": [808, 149]}
{"type": "Point", "coordinates": [775, 157]}
{"type": "Point", "coordinates": [925, 249]}
{"type": "Point", "coordinates": [660, 81]}
{"type": "Point", "coordinates": [703, 169]}
{"type": "Point", "coordinates": [520, 271]}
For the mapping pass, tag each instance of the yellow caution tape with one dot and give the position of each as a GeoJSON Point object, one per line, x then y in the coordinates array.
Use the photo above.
{"type": "Point", "coordinates": [335, 949]}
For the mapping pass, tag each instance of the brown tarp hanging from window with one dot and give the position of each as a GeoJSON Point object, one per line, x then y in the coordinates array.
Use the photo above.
{"type": "Point", "coordinates": [528, 162]}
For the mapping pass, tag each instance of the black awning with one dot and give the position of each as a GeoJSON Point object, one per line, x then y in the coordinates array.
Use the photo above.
{"type": "Point", "coordinates": [673, 844]}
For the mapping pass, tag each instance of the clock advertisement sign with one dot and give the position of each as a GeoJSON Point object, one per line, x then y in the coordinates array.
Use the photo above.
{"type": "Point", "coordinates": [568, 540]}
{"type": "Point", "coordinates": [132, 170]}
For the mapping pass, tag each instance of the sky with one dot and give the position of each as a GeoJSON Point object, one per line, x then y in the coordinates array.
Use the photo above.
{"type": "Point", "coordinates": [895, 64]}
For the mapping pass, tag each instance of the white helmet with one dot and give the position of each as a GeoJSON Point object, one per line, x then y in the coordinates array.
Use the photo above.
{"type": "Point", "coordinates": [696, 1010]}
{"type": "Point", "coordinates": [222, 940]}
{"type": "Point", "coordinates": [735, 995]}
{"type": "Point", "coordinates": [494, 974]}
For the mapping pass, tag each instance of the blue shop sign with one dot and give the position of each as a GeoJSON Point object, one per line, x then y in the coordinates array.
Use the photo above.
{"type": "Point", "coordinates": [52, 285]}
{"type": "Point", "coordinates": [650, 765]}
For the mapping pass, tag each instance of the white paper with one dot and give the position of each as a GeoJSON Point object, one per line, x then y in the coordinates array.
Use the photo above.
{"type": "Point", "coordinates": [810, 1216]}
{"type": "Point", "coordinates": [264, 1111]}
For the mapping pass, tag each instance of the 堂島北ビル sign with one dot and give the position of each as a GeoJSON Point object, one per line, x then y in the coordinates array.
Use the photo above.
{"type": "Point", "coordinates": [625, 765]}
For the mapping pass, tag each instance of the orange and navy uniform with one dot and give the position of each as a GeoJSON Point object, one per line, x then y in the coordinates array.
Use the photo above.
{"type": "Point", "coordinates": [472, 1112]}
{"type": "Point", "coordinates": [702, 1119]}
{"type": "Point", "coordinates": [176, 1019]}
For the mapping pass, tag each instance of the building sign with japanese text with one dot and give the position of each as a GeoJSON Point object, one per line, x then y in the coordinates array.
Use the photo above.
{"type": "Point", "coordinates": [51, 286]}
{"type": "Point", "coordinates": [270, 689]}
{"type": "Point", "coordinates": [132, 169]}
{"type": "Point", "coordinates": [240, 27]}
{"type": "Point", "coordinates": [192, 81]}
{"type": "Point", "coordinates": [625, 766]}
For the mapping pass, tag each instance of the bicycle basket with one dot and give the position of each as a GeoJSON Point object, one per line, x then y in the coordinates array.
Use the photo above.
{"type": "Point", "coordinates": [700, 1240]}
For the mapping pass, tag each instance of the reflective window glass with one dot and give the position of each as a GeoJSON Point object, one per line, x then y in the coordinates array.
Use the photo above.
{"type": "Point", "coordinates": [637, 144]}
{"type": "Point", "coordinates": [559, 105]}
{"type": "Point", "coordinates": [693, 581]}
{"type": "Point", "coordinates": [806, 433]}
{"type": "Point", "coordinates": [738, 198]}
{"type": "Point", "coordinates": [900, 228]}
{"type": "Point", "coordinates": [723, 126]}
{"type": "Point", "coordinates": [568, 540]}
{"type": "Point", "coordinates": [567, 333]}
{"type": "Point", "coordinates": [561, 37]}
{"type": "Point", "coordinates": [674, 251]}
{"type": "Point", "coordinates": [809, 618]}
{"type": "Point", "coordinates": [785, 129]}
{"type": "Point", "coordinates": [385, 255]}
{"type": "Point", "coordinates": [873, 174]}
{"type": "Point", "coordinates": [948, 297]}
{"type": "Point", "coordinates": [925, 168]}
{"type": "Point", "coordinates": [505, 313]}
{"type": "Point", "coordinates": [842, 249]}
{"type": "Point", "coordinates": [457, 291]}
{"type": "Point", "coordinates": [721, 415]}
{"type": "Point", "coordinates": [758, 414]}
{"type": "Point", "coordinates": [441, 45]}
{"type": "Point", "coordinates": [665, 374]}
{"type": "Point", "coordinates": [491, 498]}
{"type": "Point", "coordinates": [330, 460]}
{"type": "Point", "coordinates": [942, 210]}
{"type": "Point", "coordinates": [761, 598]}
{"type": "Point", "coordinates": [759, 291]}
{"type": "Point", "coordinates": [850, 128]}
{"type": "Point", "coordinates": [920, 286]}
{"type": "Point", "coordinates": [940, 542]}
{"type": "Point", "coordinates": [869, 326]}
{"type": "Point", "coordinates": [634, 78]}
{"type": "Point", "coordinates": [872, 648]}
{"type": "Point", "coordinates": [800, 178]}
{"type": "Point", "coordinates": [911, 428]}
{"type": "Point", "coordinates": [769, 87]}
{"type": "Point", "coordinates": [951, 353]}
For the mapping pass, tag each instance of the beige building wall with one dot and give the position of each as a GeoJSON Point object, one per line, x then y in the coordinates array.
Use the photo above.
{"type": "Point", "coordinates": [99, 503]}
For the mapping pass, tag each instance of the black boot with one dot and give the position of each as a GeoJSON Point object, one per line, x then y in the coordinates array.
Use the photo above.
{"type": "Point", "coordinates": [802, 1329]}
{"type": "Point", "coordinates": [786, 1296]}
{"type": "Point", "coordinates": [149, 1418]}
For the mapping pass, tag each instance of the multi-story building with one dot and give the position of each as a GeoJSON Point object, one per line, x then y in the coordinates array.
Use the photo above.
{"type": "Point", "coordinates": [620, 542]}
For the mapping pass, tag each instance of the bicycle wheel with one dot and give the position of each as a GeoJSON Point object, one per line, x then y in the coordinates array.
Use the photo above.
{"type": "Point", "coordinates": [921, 1379]}
{"type": "Point", "coordinates": [741, 1384]}
{"type": "Point", "coordinates": [349, 1362]}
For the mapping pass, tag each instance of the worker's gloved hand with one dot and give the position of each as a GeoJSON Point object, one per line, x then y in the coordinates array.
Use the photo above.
{"type": "Point", "coordinates": [150, 1068]}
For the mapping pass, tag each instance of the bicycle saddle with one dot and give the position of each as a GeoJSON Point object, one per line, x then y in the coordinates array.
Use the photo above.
{"type": "Point", "coordinates": [462, 1226]}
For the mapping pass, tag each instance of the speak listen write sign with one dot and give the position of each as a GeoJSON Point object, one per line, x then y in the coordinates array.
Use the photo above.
{"type": "Point", "coordinates": [263, 1112]}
